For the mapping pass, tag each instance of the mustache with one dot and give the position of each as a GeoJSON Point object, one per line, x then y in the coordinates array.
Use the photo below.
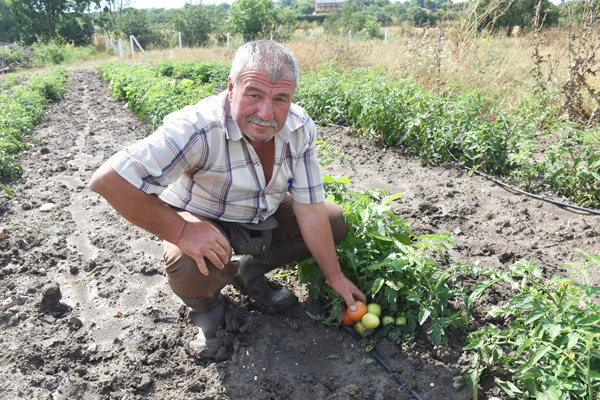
{"type": "Point", "coordinates": [258, 120]}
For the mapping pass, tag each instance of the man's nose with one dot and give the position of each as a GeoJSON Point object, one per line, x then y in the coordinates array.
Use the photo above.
{"type": "Point", "coordinates": [265, 110]}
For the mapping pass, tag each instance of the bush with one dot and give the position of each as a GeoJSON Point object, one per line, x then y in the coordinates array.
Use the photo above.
{"type": "Point", "coordinates": [15, 55]}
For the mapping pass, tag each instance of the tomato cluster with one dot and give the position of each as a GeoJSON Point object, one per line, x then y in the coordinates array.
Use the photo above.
{"type": "Point", "coordinates": [367, 317]}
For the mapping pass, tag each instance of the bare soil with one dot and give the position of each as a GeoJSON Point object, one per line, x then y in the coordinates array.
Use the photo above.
{"type": "Point", "coordinates": [86, 312]}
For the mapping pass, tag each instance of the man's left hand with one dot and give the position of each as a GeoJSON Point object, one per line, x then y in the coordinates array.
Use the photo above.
{"type": "Point", "coordinates": [347, 290]}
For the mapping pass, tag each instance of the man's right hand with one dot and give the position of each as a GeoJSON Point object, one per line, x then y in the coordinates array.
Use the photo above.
{"type": "Point", "coordinates": [200, 240]}
{"type": "Point", "coordinates": [203, 241]}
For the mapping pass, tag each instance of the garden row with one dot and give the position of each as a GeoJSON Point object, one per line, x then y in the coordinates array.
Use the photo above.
{"type": "Point", "coordinates": [22, 106]}
{"type": "Point", "coordinates": [547, 346]}
{"type": "Point", "coordinates": [461, 126]}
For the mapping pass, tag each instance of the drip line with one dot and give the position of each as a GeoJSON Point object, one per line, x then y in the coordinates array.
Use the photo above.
{"type": "Point", "coordinates": [373, 353]}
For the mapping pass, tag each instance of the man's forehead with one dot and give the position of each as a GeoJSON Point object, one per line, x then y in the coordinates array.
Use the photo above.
{"type": "Point", "coordinates": [257, 77]}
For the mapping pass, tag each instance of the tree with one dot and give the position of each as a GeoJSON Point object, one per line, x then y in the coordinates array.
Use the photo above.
{"type": "Point", "coordinates": [197, 22]}
{"type": "Point", "coordinates": [135, 22]}
{"type": "Point", "coordinates": [76, 29]}
{"type": "Point", "coordinates": [39, 20]}
{"type": "Point", "coordinates": [253, 19]}
{"type": "Point", "coordinates": [511, 13]}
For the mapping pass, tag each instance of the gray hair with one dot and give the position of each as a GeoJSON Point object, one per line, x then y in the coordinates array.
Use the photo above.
{"type": "Point", "coordinates": [267, 56]}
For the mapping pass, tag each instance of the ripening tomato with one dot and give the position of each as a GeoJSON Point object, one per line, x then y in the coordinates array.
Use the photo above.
{"type": "Point", "coordinates": [360, 328]}
{"type": "Point", "coordinates": [370, 320]}
{"type": "Point", "coordinates": [346, 318]}
{"type": "Point", "coordinates": [361, 309]}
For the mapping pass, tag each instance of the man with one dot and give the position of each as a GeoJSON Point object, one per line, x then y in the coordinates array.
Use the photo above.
{"type": "Point", "coordinates": [237, 173]}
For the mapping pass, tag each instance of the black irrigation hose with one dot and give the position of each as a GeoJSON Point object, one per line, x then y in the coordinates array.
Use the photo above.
{"type": "Point", "coordinates": [535, 196]}
{"type": "Point", "coordinates": [506, 185]}
{"type": "Point", "coordinates": [373, 353]}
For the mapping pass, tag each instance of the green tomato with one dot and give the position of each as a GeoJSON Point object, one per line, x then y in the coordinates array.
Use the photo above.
{"type": "Point", "coordinates": [359, 328]}
{"type": "Point", "coordinates": [387, 320]}
{"type": "Point", "coordinates": [374, 308]}
{"type": "Point", "coordinates": [370, 320]}
{"type": "Point", "coordinates": [400, 321]}
{"type": "Point", "coordinates": [400, 285]}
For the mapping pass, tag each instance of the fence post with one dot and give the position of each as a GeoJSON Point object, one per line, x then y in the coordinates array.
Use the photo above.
{"type": "Point", "coordinates": [227, 41]}
{"type": "Point", "coordinates": [138, 44]}
{"type": "Point", "coordinates": [106, 44]}
{"type": "Point", "coordinates": [350, 37]}
{"type": "Point", "coordinates": [271, 35]}
{"type": "Point", "coordinates": [312, 35]}
{"type": "Point", "coordinates": [121, 48]}
{"type": "Point", "coordinates": [179, 39]}
{"type": "Point", "coordinates": [131, 45]}
{"type": "Point", "coordinates": [386, 35]}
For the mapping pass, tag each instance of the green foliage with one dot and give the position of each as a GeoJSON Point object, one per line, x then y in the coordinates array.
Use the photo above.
{"type": "Point", "coordinates": [136, 22]}
{"type": "Point", "coordinates": [148, 93]}
{"type": "Point", "coordinates": [459, 126]}
{"type": "Point", "coordinates": [391, 266]}
{"type": "Point", "coordinates": [456, 127]}
{"type": "Point", "coordinates": [76, 29]}
{"type": "Point", "coordinates": [511, 13]}
{"type": "Point", "coordinates": [21, 108]}
{"type": "Point", "coordinates": [197, 22]}
{"type": "Point", "coordinates": [39, 20]}
{"type": "Point", "coordinates": [549, 345]}
{"type": "Point", "coordinates": [253, 19]}
{"type": "Point", "coordinates": [15, 55]}
{"type": "Point", "coordinates": [200, 72]}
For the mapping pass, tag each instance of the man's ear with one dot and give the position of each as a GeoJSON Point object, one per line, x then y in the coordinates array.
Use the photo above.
{"type": "Point", "coordinates": [230, 89]}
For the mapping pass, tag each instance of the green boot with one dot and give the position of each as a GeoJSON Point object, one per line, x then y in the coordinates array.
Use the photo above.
{"type": "Point", "coordinates": [207, 314]}
{"type": "Point", "coordinates": [251, 274]}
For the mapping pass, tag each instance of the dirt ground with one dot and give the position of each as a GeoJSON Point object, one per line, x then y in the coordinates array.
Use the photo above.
{"type": "Point", "coordinates": [86, 312]}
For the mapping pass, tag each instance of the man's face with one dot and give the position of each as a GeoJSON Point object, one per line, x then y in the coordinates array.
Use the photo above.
{"type": "Point", "coordinates": [259, 107]}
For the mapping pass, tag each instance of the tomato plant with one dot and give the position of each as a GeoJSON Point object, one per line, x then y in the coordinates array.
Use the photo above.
{"type": "Point", "coordinates": [393, 267]}
{"type": "Point", "coordinates": [549, 345]}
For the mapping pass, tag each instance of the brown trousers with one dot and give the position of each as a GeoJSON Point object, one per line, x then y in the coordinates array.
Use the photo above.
{"type": "Point", "coordinates": [185, 278]}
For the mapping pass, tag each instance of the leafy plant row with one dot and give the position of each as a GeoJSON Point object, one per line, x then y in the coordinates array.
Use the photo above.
{"type": "Point", "coordinates": [21, 108]}
{"type": "Point", "coordinates": [459, 126]}
{"type": "Point", "coordinates": [149, 93]}
{"type": "Point", "coordinates": [201, 72]}
{"type": "Point", "coordinates": [546, 343]}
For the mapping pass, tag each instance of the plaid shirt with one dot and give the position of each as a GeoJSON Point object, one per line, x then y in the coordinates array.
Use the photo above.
{"type": "Point", "coordinates": [199, 161]}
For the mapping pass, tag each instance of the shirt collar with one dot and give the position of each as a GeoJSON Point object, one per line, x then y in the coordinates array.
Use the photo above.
{"type": "Point", "coordinates": [232, 131]}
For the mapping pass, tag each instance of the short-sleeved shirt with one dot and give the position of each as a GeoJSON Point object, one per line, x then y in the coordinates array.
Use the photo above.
{"type": "Point", "coordinates": [199, 161]}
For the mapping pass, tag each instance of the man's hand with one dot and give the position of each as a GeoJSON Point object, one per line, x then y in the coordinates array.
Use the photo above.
{"type": "Point", "coordinates": [313, 221]}
{"type": "Point", "coordinates": [347, 290]}
{"type": "Point", "coordinates": [200, 239]}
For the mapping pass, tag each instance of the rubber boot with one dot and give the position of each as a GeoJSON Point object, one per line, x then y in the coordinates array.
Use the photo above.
{"type": "Point", "coordinates": [251, 274]}
{"type": "Point", "coordinates": [207, 314]}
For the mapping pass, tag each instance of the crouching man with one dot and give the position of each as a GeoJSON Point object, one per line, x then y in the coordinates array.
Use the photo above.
{"type": "Point", "coordinates": [234, 173]}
